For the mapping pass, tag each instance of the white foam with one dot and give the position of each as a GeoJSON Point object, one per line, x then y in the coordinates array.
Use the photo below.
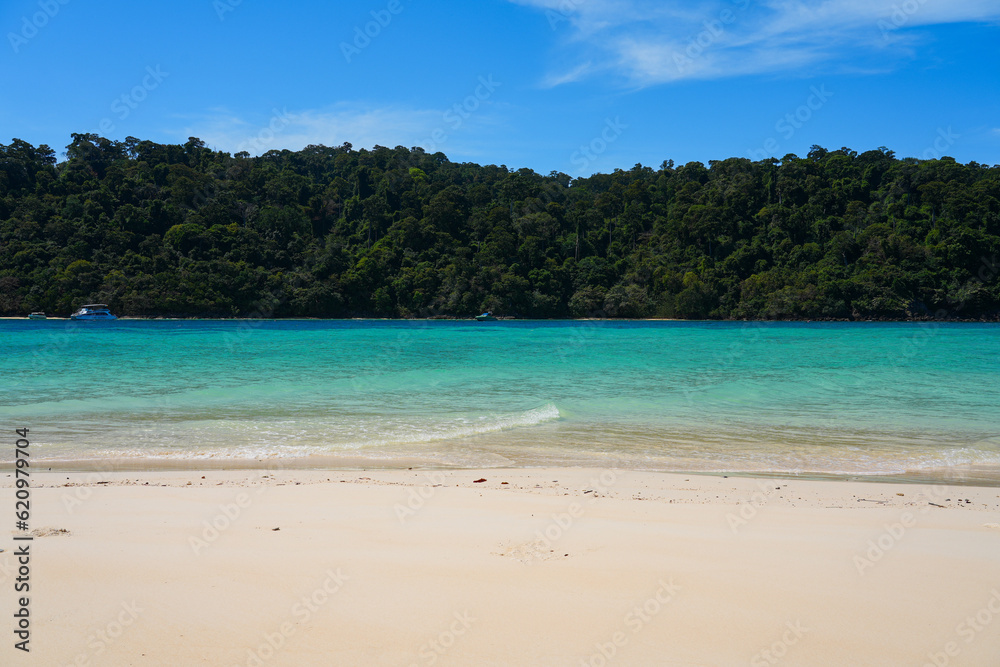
{"type": "Point", "coordinates": [244, 440]}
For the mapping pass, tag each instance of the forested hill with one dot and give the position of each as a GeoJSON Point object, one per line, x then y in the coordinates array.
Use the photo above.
{"type": "Point", "coordinates": [182, 230]}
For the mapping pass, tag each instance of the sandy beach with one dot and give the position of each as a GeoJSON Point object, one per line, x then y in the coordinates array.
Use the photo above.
{"type": "Point", "coordinates": [529, 567]}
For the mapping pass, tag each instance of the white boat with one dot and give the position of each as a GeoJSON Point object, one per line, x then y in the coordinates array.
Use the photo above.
{"type": "Point", "coordinates": [37, 315]}
{"type": "Point", "coordinates": [93, 311]}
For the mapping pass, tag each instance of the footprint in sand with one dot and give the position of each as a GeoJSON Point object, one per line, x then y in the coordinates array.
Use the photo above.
{"type": "Point", "coordinates": [49, 532]}
{"type": "Point", "coordinates": [527, 552]}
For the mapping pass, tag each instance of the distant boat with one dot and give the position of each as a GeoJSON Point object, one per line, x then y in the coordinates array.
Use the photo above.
{"type": "Point", "coordinates": [93, 311]}
{"type": "Point", "coordinates": [38, 315]}
{"type": "Point", "coordinates": [485, 317]}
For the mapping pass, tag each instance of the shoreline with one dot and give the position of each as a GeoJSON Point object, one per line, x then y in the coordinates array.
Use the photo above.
{"type": "Point", "coordinates": [557, 566]}
{"type": "Point", "coordinates": [136, 318]}
{"type": "Point", "coordinates": [626, 484]}
{"type": "Point", "coordinates": [982, 478]}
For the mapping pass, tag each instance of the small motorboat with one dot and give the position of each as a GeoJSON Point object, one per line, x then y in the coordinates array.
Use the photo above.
{"type": "Point", "coordinates": [93, 311]}
{"type": "Point", "coordinates": [37, 315]}
{"type": "Point", "coordinates": [486, 317]}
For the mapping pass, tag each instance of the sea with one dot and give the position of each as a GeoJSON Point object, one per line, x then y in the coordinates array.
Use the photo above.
{"type": "Point", "coordinates": [896, 401]}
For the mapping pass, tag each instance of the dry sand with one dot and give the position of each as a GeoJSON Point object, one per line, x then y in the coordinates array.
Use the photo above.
{"type": "Point", "coordinates": [556, 567]}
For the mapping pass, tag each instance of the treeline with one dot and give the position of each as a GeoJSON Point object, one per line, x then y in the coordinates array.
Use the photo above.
{"type": "Point", "coordinates": [182, 230]}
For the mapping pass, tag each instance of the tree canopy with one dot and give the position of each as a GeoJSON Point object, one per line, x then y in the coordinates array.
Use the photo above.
{"type": "Point", "coordinates": [183, 230]}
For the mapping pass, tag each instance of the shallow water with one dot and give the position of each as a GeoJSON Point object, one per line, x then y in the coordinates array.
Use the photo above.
{"type": "Point", "coordinates": [825, 399]}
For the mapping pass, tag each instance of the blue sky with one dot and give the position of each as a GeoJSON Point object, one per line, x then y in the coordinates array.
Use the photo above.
{"type": "Point", "coordinates": [575, 86]}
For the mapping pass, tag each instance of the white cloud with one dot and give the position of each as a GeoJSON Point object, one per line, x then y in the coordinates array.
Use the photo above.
{"type": "Point", "coordinates": [576, 74]}
{"type": "Point", "coordinates": [646, 42]}
{"type": "Point", "coordinates": [453, 131]}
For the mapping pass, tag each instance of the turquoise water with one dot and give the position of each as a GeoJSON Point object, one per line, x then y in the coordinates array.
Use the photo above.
{"type": "Point", "coordinates": [860, 399]}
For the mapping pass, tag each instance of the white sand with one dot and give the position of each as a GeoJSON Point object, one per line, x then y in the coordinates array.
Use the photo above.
{"type": "Point", "coordinates": [386, 568]}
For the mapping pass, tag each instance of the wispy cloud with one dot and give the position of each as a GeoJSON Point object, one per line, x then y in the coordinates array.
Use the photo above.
{"type": "Point", "coordinates": [576, 74]}
{"type": "Point", "coordinates": [361, 125]}
{"type": "Point", "coordinates": [644, 42]}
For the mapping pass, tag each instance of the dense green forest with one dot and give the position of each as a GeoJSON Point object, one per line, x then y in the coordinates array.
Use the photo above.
{"type": "Point", "coordinates": [182, 230]}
